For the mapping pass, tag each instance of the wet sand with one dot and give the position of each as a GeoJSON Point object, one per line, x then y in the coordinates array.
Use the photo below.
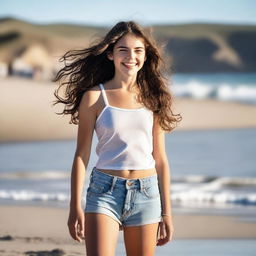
{"type": "Point", "coordinates": [32, 228]}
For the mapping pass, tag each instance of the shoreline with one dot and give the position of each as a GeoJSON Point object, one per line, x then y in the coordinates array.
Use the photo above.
{"type": "Point", "coordinates": [35, 228]}
{"type": "Point", "coordinates": [187, 225]}
{"type": "Point", "coordinates": [26, 104]}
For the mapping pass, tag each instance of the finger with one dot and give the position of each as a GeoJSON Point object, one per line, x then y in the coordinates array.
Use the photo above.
{"type": "Point", "coordinates": [73, 231]}
{"type": "Point", "coordinates": [162, 231]}
{"type": "Point", "coordinates": [159, 231]}
{"type": "Point", "coordinates": [165, 235]}
{"type": "Point", "coordinates": [162, 241]}
{"type": "Point", "coordinates": [71, 228]}
{"type": "Point", "coordinates": [77, 232]}
{"type": "Point", "coordinates": [161, 234]}
{"type": "Point", "coordinates": [159, 243]}
{"type": "Point", "coordinates": [168, 232]}
{"type": "Point", "coordinates": [81, 228]}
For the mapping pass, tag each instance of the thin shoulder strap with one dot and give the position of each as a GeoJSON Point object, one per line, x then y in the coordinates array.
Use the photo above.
{"type": "Point", "coordinates": [104, 94]}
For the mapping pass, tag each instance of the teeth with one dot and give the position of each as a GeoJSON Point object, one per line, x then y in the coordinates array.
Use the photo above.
{"type": "Point", "coordinates": [130, 64]}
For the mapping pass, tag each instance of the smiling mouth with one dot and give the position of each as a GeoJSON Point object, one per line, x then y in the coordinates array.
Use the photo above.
{"type": "Point", "coordinates": [129, 65]}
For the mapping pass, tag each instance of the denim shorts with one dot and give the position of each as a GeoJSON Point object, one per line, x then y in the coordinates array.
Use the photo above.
{"type": "Point", "coordinates": [131, 202]}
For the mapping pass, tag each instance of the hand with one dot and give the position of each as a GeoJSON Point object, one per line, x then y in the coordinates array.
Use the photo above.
{"type": "Point", "coordinates": [76, 224]}
{"type": "Point", "coordinates": [165, 231]}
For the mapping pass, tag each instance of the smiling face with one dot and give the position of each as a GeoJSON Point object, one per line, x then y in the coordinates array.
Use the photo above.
{"type": "Point", "coordinates": [128, 55]}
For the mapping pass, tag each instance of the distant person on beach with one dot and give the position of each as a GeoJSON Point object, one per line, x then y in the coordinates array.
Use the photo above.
{"type": "Point", "coordinates": [117, 88]}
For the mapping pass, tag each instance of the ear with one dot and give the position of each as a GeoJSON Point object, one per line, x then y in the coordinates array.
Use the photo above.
{"type": "Point", "coordinates": [110, 55]}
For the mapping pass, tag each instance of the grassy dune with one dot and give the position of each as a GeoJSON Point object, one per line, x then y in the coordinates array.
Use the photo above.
{"type": "Point", "coordinates": [192, 47]}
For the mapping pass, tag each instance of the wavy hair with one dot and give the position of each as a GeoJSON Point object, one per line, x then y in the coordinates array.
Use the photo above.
{"type": "Point", "coordinates": [85, 68]}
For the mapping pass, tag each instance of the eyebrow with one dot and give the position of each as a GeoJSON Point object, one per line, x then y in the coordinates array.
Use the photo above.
{"type": "Point", "coordinates": [124, 47]}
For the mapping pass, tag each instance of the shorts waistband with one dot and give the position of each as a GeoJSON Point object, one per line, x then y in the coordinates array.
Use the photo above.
{"type": "Point", "coordinates": [129, 183]}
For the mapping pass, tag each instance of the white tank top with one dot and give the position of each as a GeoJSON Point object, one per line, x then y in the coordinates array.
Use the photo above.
{"type": "Point", "coordinates": [125, 138]}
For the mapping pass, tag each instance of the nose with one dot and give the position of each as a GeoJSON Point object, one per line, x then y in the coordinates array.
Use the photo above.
{"type": "Point", "coordinates": [131, 54]}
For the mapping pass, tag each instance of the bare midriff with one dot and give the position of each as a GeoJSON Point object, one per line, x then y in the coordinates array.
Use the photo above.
{"type": "Point", "coordinates": [131, 174]}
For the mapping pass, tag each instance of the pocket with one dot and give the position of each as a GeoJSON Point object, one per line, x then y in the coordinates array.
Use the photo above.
{"type": "Point", "coordinates": [151, 191]}
{"type": "Point", "coordinates": [98, 187]}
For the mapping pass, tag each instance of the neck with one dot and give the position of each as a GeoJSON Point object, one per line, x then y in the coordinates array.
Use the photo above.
{"type": "Point", "coordinates": [127, 83]}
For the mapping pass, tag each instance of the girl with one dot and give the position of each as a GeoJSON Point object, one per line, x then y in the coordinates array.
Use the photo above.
{"type": "Point", "coordinates": [117, 88]}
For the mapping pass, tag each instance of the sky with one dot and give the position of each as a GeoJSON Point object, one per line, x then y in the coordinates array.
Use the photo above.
{"type": "Point", "coordinates": [107, 12]}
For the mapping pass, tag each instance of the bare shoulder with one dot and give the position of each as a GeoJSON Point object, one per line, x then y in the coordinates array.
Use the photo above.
{"type": "Point", "coordinates": [90, 97]}
{"type": "Point", "coordinates": [89, 106]}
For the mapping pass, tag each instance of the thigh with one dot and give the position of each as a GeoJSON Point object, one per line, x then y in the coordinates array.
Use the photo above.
{"type": "Point", "coordinates": [141, 240]}
{"type": "Point", "coordinates": [101, 234]}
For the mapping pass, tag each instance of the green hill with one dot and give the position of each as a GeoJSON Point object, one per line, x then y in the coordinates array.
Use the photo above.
{"type": "Point", "coordinates": [191, 47]}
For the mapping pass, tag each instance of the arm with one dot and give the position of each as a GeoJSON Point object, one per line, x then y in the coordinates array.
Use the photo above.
{"type": "Point", "coordinates": [163, 171]}
{"type": "Point", "coordinates": [162, 166]}
{"type": "Point", "coordinates": [87, 116]}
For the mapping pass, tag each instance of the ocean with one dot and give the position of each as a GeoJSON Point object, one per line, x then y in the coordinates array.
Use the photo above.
{"type": "Point", "coordinates": [239, 87]}
{"type": "Point", "coordinates": [212, 171]}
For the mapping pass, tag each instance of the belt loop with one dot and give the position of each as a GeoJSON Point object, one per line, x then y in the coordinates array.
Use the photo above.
{"type": "Point", "coordinates": [141, 185]}
{"type": "Point", "coordinates": [113, 183]}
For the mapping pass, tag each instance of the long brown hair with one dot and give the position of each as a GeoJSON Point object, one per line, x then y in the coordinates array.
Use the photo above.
{"type": "Point", "coordinates": [88, 67]}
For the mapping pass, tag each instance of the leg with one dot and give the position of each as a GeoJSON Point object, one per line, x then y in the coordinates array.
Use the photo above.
{"type": "Point", "coordinates": [141, 240]}
{"type": "Point", "coordinates": [101, 234]}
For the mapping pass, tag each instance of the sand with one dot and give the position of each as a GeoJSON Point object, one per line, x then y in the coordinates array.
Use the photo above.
{"type": "Point", "coordinates": [34, 228]}
{"type": "Point", "coordinates": [26, 113]}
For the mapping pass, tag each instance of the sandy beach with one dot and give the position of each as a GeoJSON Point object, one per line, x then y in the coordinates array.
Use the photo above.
{"type": "Point", "coordinates": [26, 113]}
{"type": "Point", "coordinates": [34, 228]}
